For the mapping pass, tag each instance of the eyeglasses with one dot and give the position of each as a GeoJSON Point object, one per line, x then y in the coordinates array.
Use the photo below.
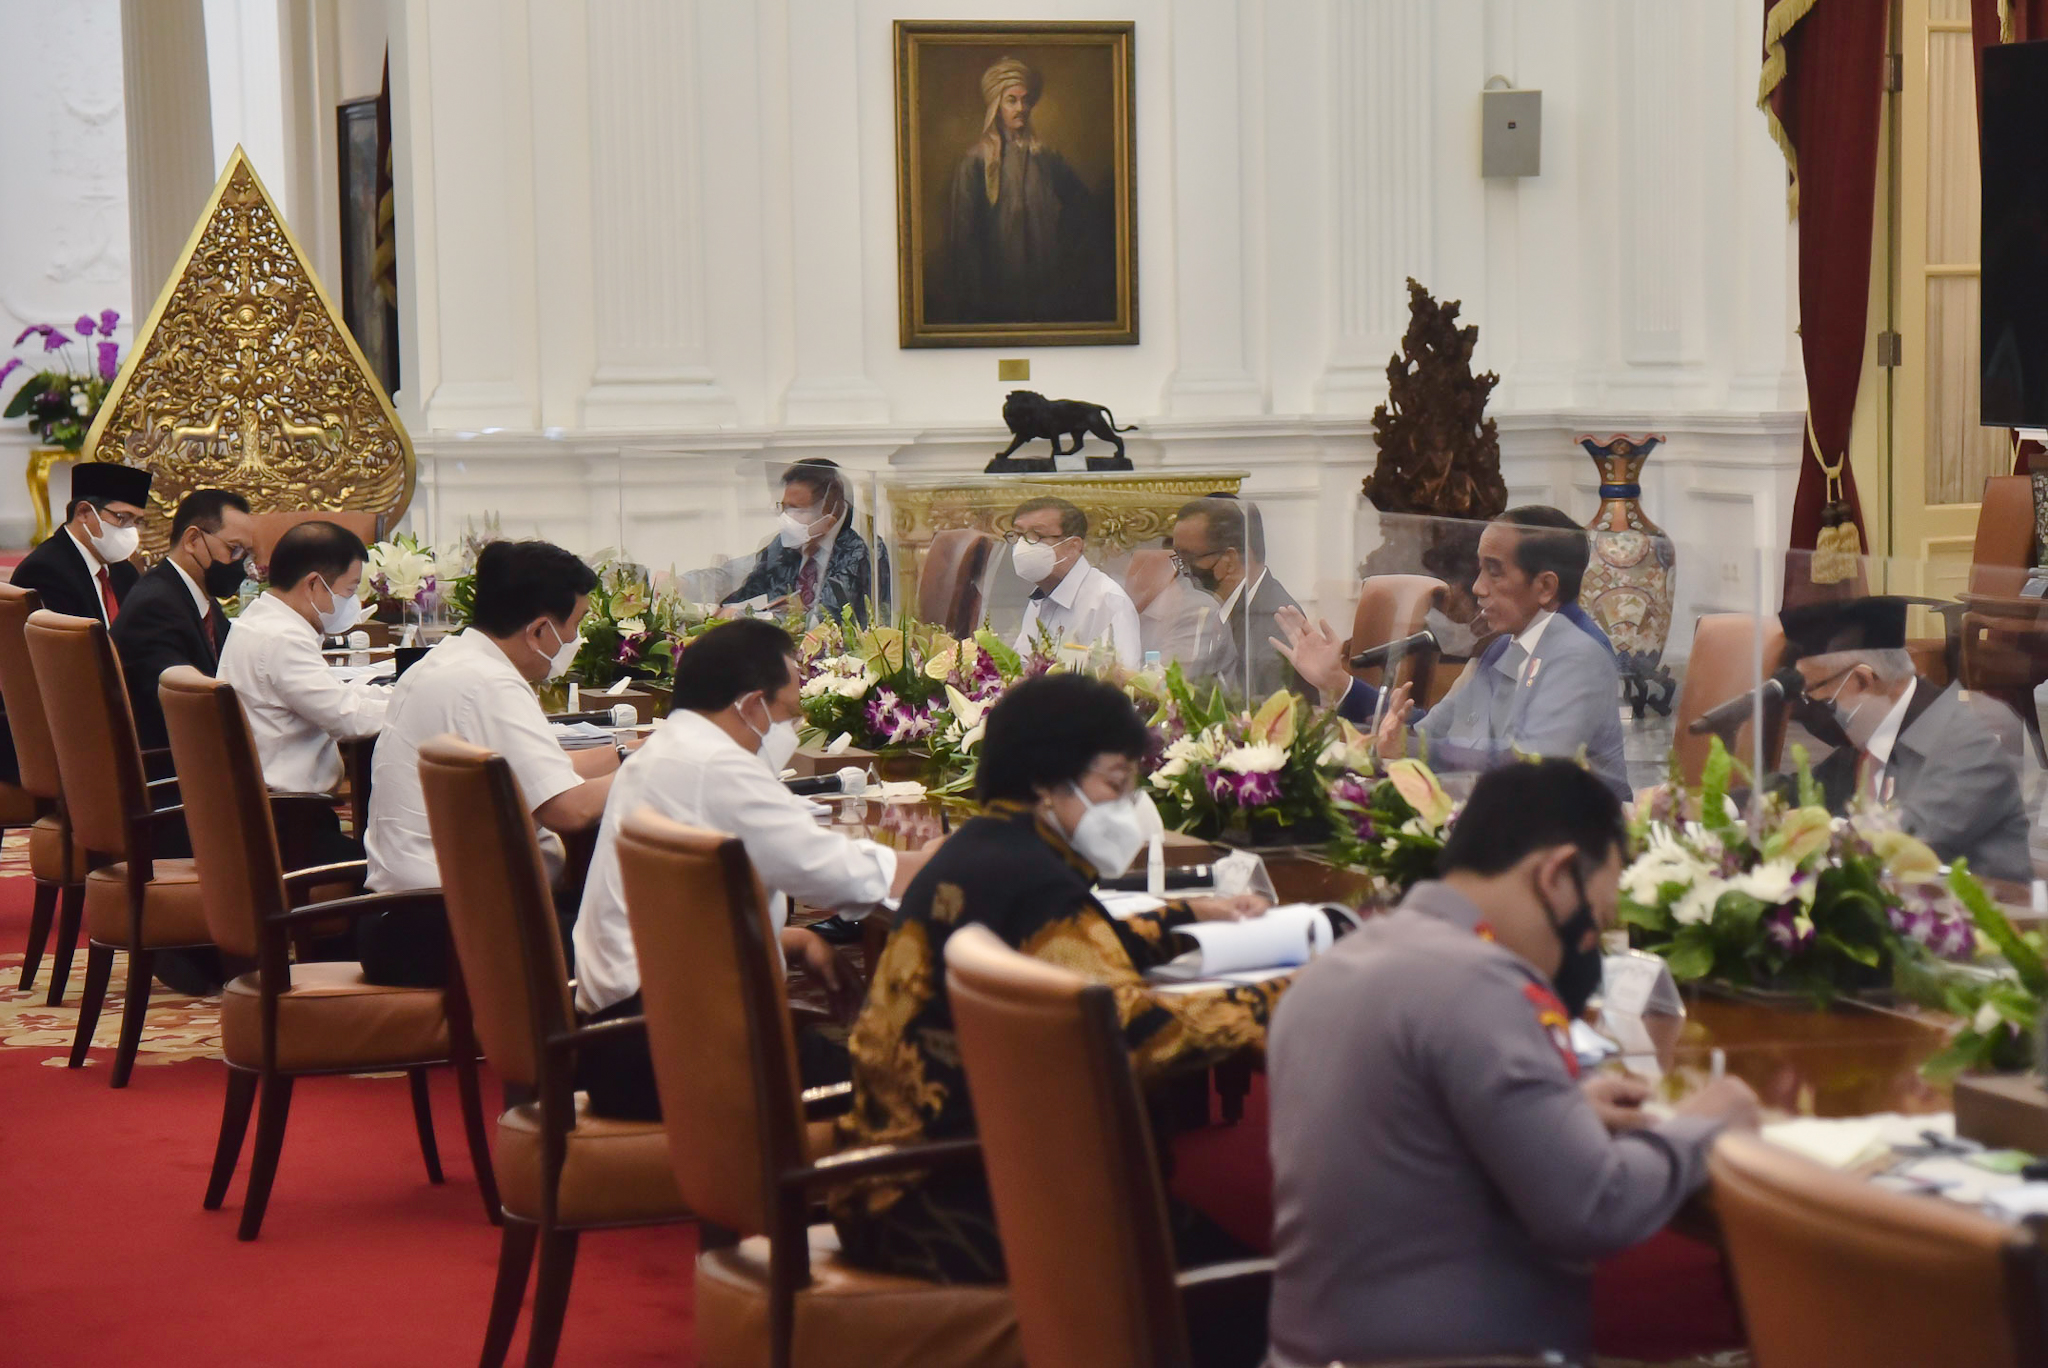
{"type": "Point", "coordinates": [112, 519]}
{"type": "Point", "coordinates": [1186, 564]}
{"type": "Point", "coordinates": [1013, 536]}
{"type": "Point", "coordinates": [235, 552]}
{"type": "Point", "coordinates": [1122, 778]}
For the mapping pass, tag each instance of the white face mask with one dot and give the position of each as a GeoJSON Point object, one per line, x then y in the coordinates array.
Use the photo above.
{"type": "Point", "coordinates": [344, 612]}
{"type": "Point", "coordinates": [564, 656]}
{"type": "Point", "coordinates": [778, 743]}
{"type": "Point", "coordinates": [795, 531]}
{"type": "Point", "coordinates": [1109, 835]}
{"type": "Point", "coordinates": [1033, 561]}
{"type": "Point", "coordinates": [114, 544]}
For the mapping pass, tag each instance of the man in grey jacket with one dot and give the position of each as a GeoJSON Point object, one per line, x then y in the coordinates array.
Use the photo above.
{"type": "Point", "coordinates": [1934, 754]}
{"type": "Point", "coordinates": [1443, 1178]}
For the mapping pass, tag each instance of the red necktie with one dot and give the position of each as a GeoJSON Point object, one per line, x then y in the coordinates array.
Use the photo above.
{"type": "Point", "coordinates": [216, 625]}
{"type": "Point", "coordinates": [807, 583]}
{"type": "Point", "coordinates": [107, 596]}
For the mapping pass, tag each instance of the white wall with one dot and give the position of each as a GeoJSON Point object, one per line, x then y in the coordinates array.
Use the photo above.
{"type": "Point", "coordinates": [663, 233]}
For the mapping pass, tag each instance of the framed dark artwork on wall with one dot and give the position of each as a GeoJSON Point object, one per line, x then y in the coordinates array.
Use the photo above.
{"type": "Point", "coordinates": [1016, 184]}
{"type": "Point", "coordinates": [368, 306]}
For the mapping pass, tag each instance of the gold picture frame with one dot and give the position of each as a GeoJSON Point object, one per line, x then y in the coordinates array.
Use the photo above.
{"type": "Point", "coordinates": [1016, 184]}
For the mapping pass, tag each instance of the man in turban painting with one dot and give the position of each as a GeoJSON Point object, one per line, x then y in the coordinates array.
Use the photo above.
{"type": "Point", "coordinates": [1027, 241]}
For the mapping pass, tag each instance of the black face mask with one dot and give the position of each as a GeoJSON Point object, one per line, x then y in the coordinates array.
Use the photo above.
{"type": "Point", "coordinates": [1820, 719]}
{"type": "Point", "coordinates": [1205, 580]}
{"type": "Point", "coordinates": [1579, 972]}
{"type": "Point", "coordinates": [223, 579]}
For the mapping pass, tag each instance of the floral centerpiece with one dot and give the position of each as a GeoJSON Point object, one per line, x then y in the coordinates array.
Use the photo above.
{"type": "Point", "coordinates": [1394, 826]}
{"type": "Point", "coordinates": [401, 576]}
{"type": "Point", "coordinates": [60, 400]}
{"type": "Point", "coordinates": [1798, 900]}
{"type": "Point", "coordinates": [1261, 778]}
{"type": "Point", "coordinates": [2000, 1006]}
{"type": "Point", "coordinates": [885, 689]}
{"type": "Point", "coordinates": [636, 625]}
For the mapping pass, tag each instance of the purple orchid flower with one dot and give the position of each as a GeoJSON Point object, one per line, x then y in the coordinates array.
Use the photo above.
{"type": "Point", "coordinates": [52, 340]}
{"type": "Point", "coordinates": [1782, 927]}
{"type": "Point", "coordinates": [84, 325]}
{"type": "Point", "coordinates": [13, 364]}
{"type": "Point", "coordinates": [108, 318]}
{"type": "Point", "coordinates": [110, 360]}
{"type": "Point", "coordinates": [31, 330]}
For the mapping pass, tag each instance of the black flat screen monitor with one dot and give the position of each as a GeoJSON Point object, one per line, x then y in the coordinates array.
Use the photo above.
{"type": "Point", "coordinates": [2015, 259]}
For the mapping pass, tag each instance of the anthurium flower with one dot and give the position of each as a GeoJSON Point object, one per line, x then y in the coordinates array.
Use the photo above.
{"type": "Point", "coordinates": [1905, 858]}
{"type": "Point", "coordinates": [1804, 833]}
{"type": "Point", "coordinates": [1275, 720]}
{"type": "Point", "coordinates": [1414, 782]}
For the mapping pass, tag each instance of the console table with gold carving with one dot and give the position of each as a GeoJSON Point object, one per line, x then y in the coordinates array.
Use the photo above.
{"type": "Point", "coordinates": [1125, 509]}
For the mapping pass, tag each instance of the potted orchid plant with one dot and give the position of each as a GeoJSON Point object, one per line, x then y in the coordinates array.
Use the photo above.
{"type": "Point", "coordinates": [60, 400]}
{"type": "Point", "coordinates": [1258, 778]}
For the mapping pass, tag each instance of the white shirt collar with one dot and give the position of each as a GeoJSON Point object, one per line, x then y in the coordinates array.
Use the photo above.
{"type": "Point", "coordinates": [93, 563]}
{"type": "Point", "coordinates": [1242, 587]}
{"type": "Point", "coordinates": [199, 598]}
{"type": "Point", "coordinates": [1069, 588]}
{"type": "Point", "coordinates": [1533, 633]}
{"type": "Point", "coordinates": [1879, 747]}
{"type": "Point", "coordinates": [268, 604]}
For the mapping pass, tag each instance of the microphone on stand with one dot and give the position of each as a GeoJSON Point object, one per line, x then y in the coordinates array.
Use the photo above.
{"type": "Point", "coordinates": [1786, 683]}
{"type": "Point", "coordinates": [1380, 655]}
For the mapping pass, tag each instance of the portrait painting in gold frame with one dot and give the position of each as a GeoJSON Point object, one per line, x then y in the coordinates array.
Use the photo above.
{"type": "Point", "coordinates": [1016, 189]}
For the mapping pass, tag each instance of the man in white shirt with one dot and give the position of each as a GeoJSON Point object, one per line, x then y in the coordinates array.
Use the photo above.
{"type": "Point", "coordinates": [1073, 601]}
{"type": "Point", "coordinates": [715, 764]}
{"type": "Point", "coordinates": [530, 600]}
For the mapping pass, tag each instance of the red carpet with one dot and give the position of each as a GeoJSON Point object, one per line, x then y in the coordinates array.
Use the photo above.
{"type": "Point", "coordinates": [106, 1257]}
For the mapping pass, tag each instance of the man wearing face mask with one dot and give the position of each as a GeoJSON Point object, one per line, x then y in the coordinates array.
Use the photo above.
{"type": "Point", "coordinates": [716, 764]}
{"type": "Point", "coordinates": [1072, 601]}
{"type": "Point", "coordinates": [531, 597]}
{"type": "Point", "coordinates": [1219, 542]}
{"type": "Point", "coordinates": [297, 708]}
{"type": "Point", "coordinates": [1443, 1178]}
{"type": "Point", "coordinates": [1933, 754]}
{"type": "Point", "coordinates": [817, 560]}
{"type": "Point", "coordinates": [82, 569]}
{"type": "Point", "coordinates": [173, 615]}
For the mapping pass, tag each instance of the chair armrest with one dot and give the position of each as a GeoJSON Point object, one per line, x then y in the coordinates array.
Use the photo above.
{"type": "Point", "coordinates": [362, 905]}
{"type": "Point", "coordinates": [830, 1099]}
{"type": "Point", "coordinates": [601, 1030]}
{"type": "Point", "coordinates": [299, 882]}
{"type": "Point", "coordinates": [872, 1160]}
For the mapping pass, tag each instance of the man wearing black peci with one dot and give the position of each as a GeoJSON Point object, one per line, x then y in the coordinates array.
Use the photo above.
{"type": "Point", "coordinates": [173, 616]}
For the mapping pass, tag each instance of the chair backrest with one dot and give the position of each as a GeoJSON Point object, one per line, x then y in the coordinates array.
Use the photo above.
{"type": "Point", "coordinates": [1832, 1271]}
{"type": "Point", "coordinates": [1081, 1209]}
{"type": "Point", "coordinates": [2005, 536]}
{"type": "Point", "coordinates": [1723, 665]}
{"type": "Point", "coordinates": [1147, 576]}
{"type": "Point", "coordinates": [272, 526]}
{"type": "Point", "coordinates": [33, 749]}
{"type": "Point", "coordinates": [227, 808]}
{"type": "Point", "coordinates": [1391, 607]}
{"type": "Point", "coordinates": [949, 587]}
{"type": "Point", "coordinates": [92, 727]}
{"type": "Point", "coordinates": [717, 1019]}
{"type": "Point", "coordinates": [500, 913]}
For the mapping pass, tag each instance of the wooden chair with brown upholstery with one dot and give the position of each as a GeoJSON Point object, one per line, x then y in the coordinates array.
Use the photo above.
{"type": "Point", "coordinates": [771, 1287]}
{"type": "Point", "coordinates": [55, 863]}
{"type": "Point", "coordinates": [270, 527]}
{"type": "Point", "coordinates": [1834, 1272]}
{"type": "Point", "coordinates": [560, 1170]}
{"type": "Point", "coordinates": [287, 1021]}
{"type": "Point", "coordinates": [2004, 637]}
{"type": "Point", "coordinates": [1391, 607]}
{"type": "Point", "coordinates": [949, 587]}
{"type": "Point", "coordinates": [1724, 665]}
{"type": "Point", "coordinates": [133, 901]}
{"type": "Point", "coordinates": [1083, 1216]}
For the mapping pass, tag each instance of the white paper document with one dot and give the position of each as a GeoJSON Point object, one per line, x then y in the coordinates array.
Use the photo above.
{"type": "Point", "coordinates": [1287, 936]}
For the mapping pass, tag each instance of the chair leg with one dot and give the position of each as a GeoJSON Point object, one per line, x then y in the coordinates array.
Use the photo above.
{"type": "Point", "coordinates": [276, 1101]}
{"type": "Point", "coordinates": [70, 914]}
{"type": "Point", "coordinates": [550, 1297]}
{"type": "Point", "coordinates": [39, 915]}
{"type": "Point", "coordinates": [473, 1132]}
{"type": "Point", "coordinates": [134, 1008]}
{"type": "Point", "coordinates": [515, 1262]}
{"type": "Point", "coordinates": [99, 965]}
{"type": "Point", "coordinates": [423, 1121]}
{"type": "Point", "coordinates": [234, 1124]}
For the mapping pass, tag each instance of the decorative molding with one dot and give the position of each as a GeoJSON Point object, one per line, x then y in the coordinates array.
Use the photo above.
{"type": "Point", "coordinates": [647, 247]}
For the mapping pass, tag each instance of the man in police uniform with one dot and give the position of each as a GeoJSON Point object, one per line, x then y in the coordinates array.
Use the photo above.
{"type": "Point", "coordinates": [1442, 1177]}
{"type": "Point", "coordinates": [1935, 754]}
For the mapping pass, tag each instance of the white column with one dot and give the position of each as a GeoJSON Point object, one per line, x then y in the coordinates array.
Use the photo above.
{"type": "Point", "coordinates": [1381, 92]}
{"type": "Point", "coordinates": [830, 385]}
{"type": "Point", "coordinates": [1210, 198]}
{"type": "Point", "coordinates": [170, 135]}
{"type": "Point", "coordinates": [245, 60]}
{"type": "Point", "coordinates": [646, 216]}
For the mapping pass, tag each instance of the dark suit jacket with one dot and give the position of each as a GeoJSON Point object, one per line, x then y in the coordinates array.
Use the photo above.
{"type": "Point", "coordinates": [56, 570]}
{"type": "Point", "coordinates": [1955, 786]}
{"type": "Point", "coordinates": [159, 627]}
{"type": "Point", "coordinates": [1253, 626]}
{"type": "Point", "coordinates": [847, 581]}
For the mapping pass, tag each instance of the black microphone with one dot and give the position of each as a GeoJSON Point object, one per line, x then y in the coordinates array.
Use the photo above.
{"type": "Point", "coordinates": [1380, 655]}
{"type": "Point", "coordinates": [810, 786]}
{"type": "Point", "coordinates": [1786, 683]}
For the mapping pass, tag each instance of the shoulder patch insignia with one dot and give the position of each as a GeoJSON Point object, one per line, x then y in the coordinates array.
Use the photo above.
{"type": "Point", "coordinates": [1556, 1023]}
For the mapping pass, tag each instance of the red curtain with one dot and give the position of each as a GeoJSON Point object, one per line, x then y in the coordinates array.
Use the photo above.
{"type": "Point", "coordinates": [1828, 103]}
{"type": "Point", "coordinates": [2024, 21]}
